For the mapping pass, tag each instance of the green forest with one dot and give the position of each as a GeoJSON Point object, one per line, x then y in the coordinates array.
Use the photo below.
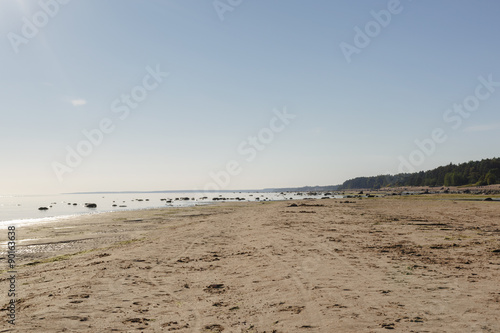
{"type": "Point", "coordinates": [479, 173]}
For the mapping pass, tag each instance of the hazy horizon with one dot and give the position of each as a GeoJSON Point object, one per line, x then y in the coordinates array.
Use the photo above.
{"type": "Point", "coordinates": [185, 95]}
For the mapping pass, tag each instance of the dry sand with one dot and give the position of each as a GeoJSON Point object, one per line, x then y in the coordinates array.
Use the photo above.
{"type": "Point", "coordinates": [414, 264]}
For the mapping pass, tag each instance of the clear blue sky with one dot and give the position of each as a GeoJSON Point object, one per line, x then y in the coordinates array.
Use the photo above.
{"type": "Point", "coordinates": [225, 79]}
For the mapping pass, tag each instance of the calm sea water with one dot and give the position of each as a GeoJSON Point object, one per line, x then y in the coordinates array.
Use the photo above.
{"type": "Point", "coordinates": [21, 210]}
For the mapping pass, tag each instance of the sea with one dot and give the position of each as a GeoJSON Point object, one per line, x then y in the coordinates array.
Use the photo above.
{"type": "Point", "coordinates": [24, 209]}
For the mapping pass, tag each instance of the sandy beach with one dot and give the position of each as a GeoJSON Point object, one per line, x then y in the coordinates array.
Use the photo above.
{"type": "Point", "coordinates": [407, 264]}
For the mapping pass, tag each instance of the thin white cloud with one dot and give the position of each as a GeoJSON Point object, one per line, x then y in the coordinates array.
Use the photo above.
{"type": "Point", "coordinates": [482, 128]}
{"type": "Point", "coordinates": [78, 102]}
{"type": "Point", "coordinates": [317, 130]}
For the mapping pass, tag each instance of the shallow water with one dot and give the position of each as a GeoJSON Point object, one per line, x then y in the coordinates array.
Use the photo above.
{"type": "Point", "coordinates": [21, 210]}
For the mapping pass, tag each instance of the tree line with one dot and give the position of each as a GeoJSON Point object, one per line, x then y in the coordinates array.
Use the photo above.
{"type": "Point", "coordinates": [479, 173]}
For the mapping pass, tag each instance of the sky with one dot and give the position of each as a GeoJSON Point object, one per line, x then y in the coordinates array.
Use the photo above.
{"type": "Point", "coordinates": [235, 94]}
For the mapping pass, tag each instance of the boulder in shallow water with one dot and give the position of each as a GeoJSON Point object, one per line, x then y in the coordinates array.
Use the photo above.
{"type": "Point", "coordinates": [91, 205]}
{"type": "Point", "coordinates": [43, 208]}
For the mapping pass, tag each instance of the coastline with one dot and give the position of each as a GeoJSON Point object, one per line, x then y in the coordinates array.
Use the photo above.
{"type": "Point", "coordinates": [350, 265]}
{"type": "Point", "coordinates": [26, 208]}
{"type": "Point", "coordinates": [25, 222]}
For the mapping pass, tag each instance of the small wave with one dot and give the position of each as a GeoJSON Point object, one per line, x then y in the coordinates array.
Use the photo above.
{"type": "Point", "coordinates": [23, 222]}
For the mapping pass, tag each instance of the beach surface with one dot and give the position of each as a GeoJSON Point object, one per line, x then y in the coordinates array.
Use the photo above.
{"type": "Point", "coordinates": [407, 264]}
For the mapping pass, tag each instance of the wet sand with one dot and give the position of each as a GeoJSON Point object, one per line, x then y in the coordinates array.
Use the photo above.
{"type": "Point", "coordinates": [408, 264]}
